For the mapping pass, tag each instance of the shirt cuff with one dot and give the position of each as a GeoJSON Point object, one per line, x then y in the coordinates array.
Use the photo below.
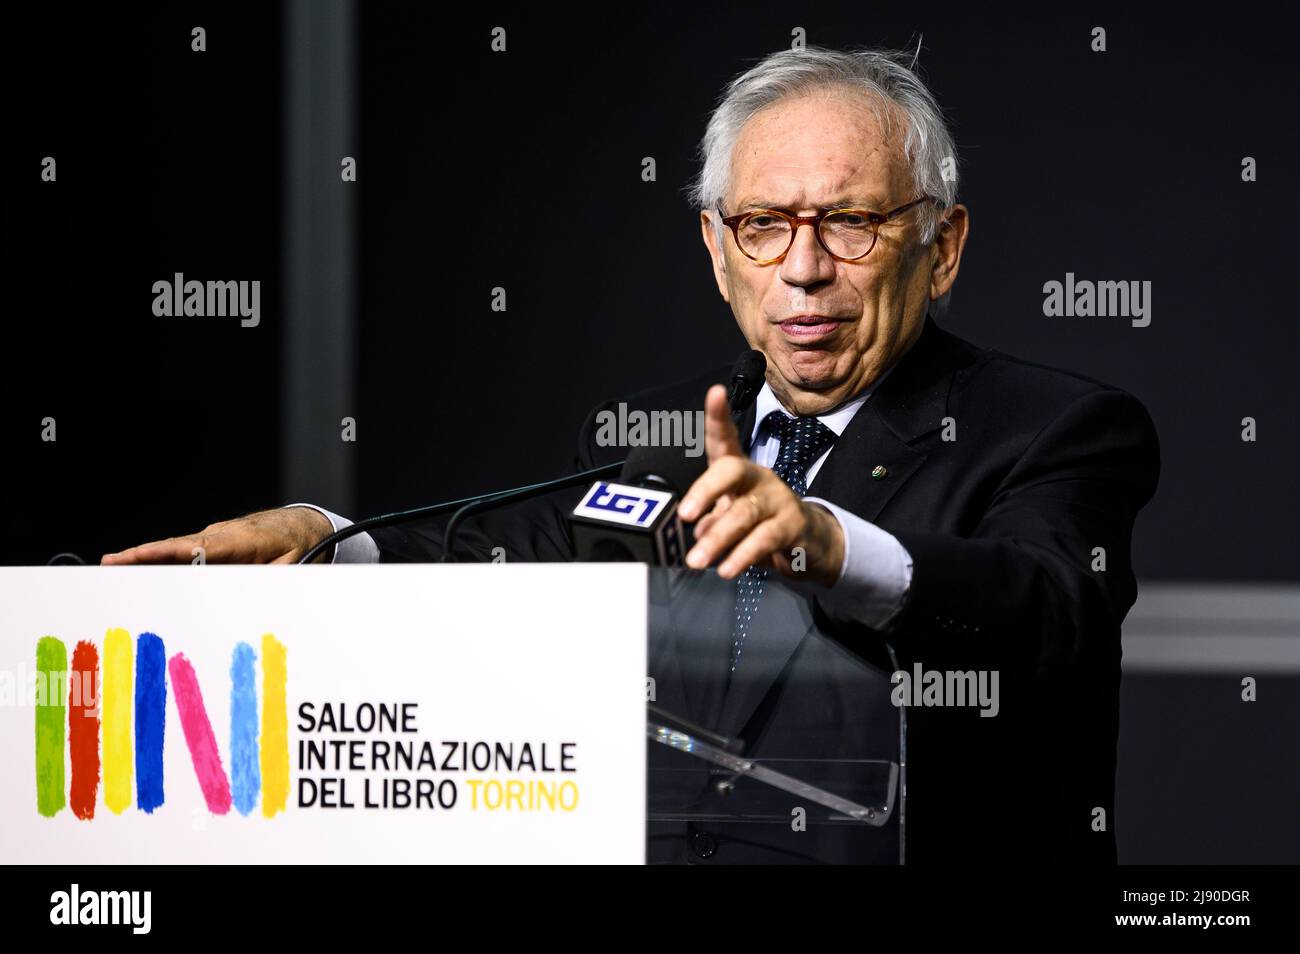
{"type": "Point", "coordinates": [875, 576]}
{"type": "Point", "coordinates": [356, 549]}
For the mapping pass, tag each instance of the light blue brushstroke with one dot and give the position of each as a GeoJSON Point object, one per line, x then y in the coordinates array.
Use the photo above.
{"type": "Point", "coordinates": [245, 773]}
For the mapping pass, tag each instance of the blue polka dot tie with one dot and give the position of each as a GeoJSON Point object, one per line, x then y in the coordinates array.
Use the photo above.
{"type": "Point", "coordinates": [803, 439]}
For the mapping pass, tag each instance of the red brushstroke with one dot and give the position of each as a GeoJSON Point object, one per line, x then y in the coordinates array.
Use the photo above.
{"type": "Point", "coordinates": [83, 729]}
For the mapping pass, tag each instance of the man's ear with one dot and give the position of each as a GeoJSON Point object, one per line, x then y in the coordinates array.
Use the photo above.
{"type": "Point", "coordinates": [716, 253]}
{"type": "Point", "coordinates": [948, 246]}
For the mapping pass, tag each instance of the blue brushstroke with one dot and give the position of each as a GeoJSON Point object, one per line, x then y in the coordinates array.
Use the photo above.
{"type": "Point", "coordinates": [150, 720]}
{"type": "Point", "coordinates": [245, 771]}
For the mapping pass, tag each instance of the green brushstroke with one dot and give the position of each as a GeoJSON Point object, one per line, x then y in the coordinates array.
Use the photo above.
{"type": "Point", "coordinates": [51, 717]}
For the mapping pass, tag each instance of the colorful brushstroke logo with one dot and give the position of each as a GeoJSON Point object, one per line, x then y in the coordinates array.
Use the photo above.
{"type": "Point", "coordinates": [126, 694]}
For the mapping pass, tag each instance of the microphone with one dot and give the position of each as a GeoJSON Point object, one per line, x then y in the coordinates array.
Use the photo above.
{"type": "Point", "coordinates": [747, 376]}
{"type": "Point", "coordinates": [635, 520]}
{"type": "Point", "coordinates": [621, 523]}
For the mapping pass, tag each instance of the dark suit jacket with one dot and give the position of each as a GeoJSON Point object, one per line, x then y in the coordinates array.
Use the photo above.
{"type": "Point", "coordinates": [1008, 523]}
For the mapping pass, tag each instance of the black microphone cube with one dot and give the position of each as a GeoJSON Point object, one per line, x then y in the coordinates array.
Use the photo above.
{"type": "Point", "coordinates": [622, 523]}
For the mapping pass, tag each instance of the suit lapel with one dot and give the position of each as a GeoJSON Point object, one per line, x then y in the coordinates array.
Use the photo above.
{"type": "Point", "coordinates": [868, 446]}
{"type": "Point", "coordinates": [780, 625]}
{"type": "Point", "coordinates": [878, 451]}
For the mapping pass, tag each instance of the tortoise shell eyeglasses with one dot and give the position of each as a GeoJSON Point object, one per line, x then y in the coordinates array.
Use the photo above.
{"type": "Point", "coordinates": [847, 235]}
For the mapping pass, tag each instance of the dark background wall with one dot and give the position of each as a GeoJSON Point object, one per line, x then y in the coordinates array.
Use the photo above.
{"type": "Point", "coordinates": [168, 161]}
{"type": "Point", "coordinates": [522, 170]}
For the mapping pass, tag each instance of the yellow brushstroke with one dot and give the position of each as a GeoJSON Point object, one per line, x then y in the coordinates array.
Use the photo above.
{"type": "Point", "coordinates": [274, 744]}
{"type": "Point", "coordinates": [117, 694]}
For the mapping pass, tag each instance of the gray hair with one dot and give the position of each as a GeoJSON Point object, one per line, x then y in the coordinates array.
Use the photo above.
{"type": "Point", "coordinates": [895, 91]}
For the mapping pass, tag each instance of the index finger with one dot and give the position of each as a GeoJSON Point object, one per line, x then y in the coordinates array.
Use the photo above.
{"type": "Point", "coordinates": [720, 437]}
{"type": "Point", "coordinates": [171, 550]}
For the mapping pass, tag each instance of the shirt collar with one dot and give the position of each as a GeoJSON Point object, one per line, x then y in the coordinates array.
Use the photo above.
{"type": "Point", "coordinates": [837, 420]}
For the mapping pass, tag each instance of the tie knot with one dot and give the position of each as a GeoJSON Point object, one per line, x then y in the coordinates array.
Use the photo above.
{"type": "Point", "coordinates": [803, 440]}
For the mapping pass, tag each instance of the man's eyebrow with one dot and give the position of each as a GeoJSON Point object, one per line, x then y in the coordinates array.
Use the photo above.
{"type": "Point", "coordinates": [854, 202]}
{"type": "Point", "coordinates": [850, 202]}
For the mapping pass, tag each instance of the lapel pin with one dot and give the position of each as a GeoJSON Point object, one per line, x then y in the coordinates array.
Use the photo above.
{"type": "Point", "coordinates": [879, 472]}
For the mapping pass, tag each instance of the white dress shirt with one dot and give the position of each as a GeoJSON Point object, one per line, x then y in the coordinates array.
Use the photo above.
{"type": "Point", "coordinates": [877, 569]}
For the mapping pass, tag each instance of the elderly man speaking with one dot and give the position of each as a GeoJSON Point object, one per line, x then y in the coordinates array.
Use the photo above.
{"type": "Point", "coordinates": [972, 508]}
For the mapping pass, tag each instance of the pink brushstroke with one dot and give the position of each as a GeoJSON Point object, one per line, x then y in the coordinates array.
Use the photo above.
{"type": "Point", "coordinates": [198, 735]}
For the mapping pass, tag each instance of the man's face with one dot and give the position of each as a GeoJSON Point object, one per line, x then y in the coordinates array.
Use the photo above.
{"type": "Point", "coordinates": [827, 328]}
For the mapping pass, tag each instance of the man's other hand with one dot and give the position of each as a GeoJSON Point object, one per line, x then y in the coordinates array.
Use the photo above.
{"type": "Point", "coordinates": [269, 536]}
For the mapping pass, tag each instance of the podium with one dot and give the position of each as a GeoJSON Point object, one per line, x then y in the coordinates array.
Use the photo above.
{"type": "Point", "coordinates": [418, 713]}
{"type": "Point", "coordinates": [796, 756]}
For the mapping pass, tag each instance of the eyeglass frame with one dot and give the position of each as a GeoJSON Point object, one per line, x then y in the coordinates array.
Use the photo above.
{"type": "Point", "coordinates": [877, 219]}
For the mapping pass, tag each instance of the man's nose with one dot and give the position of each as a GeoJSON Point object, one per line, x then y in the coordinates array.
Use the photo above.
{"type": "Point", "coordinates": [807, 262]}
